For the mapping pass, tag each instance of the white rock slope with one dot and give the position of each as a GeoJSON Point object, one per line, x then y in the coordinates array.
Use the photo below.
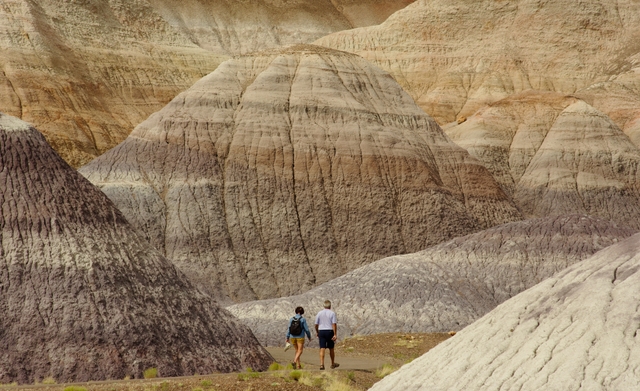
{"type": "Point", "coordinates": [578, 330]}
{"type": "Point", "coordinates": [445, 287]}
{"type": "Point", "coordinates": [284, 169]}
{"type": "Point", "coordinates": [82, 297]}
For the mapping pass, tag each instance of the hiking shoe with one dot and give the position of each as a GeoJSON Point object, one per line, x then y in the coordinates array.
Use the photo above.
{"type": "Point", "coordinates": [335, 365]}
{"type": "Point", "coordinates": [322, 367]}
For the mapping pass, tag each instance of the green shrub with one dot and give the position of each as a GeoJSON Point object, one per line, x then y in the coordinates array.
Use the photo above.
{"type": "Point", "coordinates": [150, 373]}
{"type": "Point", "coordinates": [206, 383]}
{"type": "Point", "coordinates": [74, 388]}
{"type": "Point", "coordinates": [295, 375]}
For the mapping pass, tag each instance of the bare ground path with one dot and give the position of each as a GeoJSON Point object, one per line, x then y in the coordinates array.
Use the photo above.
{"type": "Point", "coordinates": [359, 357]}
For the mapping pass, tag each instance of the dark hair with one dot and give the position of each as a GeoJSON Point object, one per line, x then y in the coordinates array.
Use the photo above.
{"type": "Point", "coordinates": [299, 310]}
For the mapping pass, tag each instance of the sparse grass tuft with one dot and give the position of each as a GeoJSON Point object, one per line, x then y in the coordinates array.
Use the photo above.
{"type": "Point", "coordinates": [386, 369]}
{"type": "Point", "coordinates": [351, 376]}
{"type": "Point", "coordinates": [295, 375]}
{"type": "Point", "coordinates": [206, 383]}
{"type": "Point", "coordinates": [249, 374]}
{"type": "Point", "coordinates": [74, 388]}
{"type": "Point", "coordinates": [276, 367]}
{"type": "Point", "coordinates": [336, 384]}
{"type": "Point", "coordinates": [150, 373]}
{"type": "Point", "coordinates": [311, 380]}
{"type": "Point", "coordinates": [48, 380]}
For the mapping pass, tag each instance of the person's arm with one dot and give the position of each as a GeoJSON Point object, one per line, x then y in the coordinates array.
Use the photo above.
{"type": "Point", "coordinates": [317, 326]}
{"type": "Point", "coordinates": [288, 332]}
{"type": "Point", "coordinates": [306, 330]}
{"type": "Point", "coordinates": [334, 323]}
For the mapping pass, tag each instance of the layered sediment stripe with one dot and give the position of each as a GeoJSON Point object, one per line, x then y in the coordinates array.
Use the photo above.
{"type": "Point", "coordinates": [284, 169]}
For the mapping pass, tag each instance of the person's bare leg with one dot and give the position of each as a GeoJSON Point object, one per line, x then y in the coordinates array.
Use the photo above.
{"type": "Point", "coordinates": [321, 357]}
{"type": "Point", "coordinates": [332, 354]}
{"type": "Point", "coordinates": [299, 349]}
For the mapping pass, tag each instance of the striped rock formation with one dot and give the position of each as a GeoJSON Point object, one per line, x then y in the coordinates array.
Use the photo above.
{"type": "Point", "coordinates": [285, 169]}
{"type": "Point", "coordinates": [454, 57]}
{"type": "Point", "coordinates": [86, 72]}
{"type": "Point", "coordinates": [83, 297]}
{"type": "Point", "coordinates": [445, 287]}
{"type": "Point", "coordinates": [555, 154]}
{"type": "Point", "coordinates": [578, 330]}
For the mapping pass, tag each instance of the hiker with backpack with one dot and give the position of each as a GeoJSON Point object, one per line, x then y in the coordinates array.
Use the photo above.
{"type": "Point", "coordinates": [295, 334]}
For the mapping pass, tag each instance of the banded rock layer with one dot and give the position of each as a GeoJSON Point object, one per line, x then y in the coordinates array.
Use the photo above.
{"type": "Point", "coordinates": [445, 287]}
{"type": "Point", "coordinates": [282, 170]}
{"type": "Point", "coordinates": [87, 72]}
{"type": "Point", "coordinates": [454, 57]}
{"type": "Point", "coordinates": [578, 330]}
{"type": "Point", "coordinates": [82, 296]}
{"type": "Point", "coordinates": [555, 154]}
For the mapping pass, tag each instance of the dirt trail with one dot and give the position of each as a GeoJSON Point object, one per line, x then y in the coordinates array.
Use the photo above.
{"type": "Point", "coordinates": [311, 359]}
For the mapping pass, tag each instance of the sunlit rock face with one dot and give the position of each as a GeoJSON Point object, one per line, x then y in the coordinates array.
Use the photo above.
{"type": "Point", "coordinates": [445, 287]}
{"type": "Point", "coordinates": [82, 296]}
{"type": "Point", "coordinates": [87, 72]}
{"type": "Point", "coordinates": [282, 170]}
{"type": "Point", "coordinates": [556, 154]}
{"type": "Point", "coordinates": [575, 330]}
{"type": "Point", "coordinates": [454, 57]}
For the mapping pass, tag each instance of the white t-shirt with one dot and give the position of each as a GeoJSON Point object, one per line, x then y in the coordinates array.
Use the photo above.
{"type": "Point", "coordinates": [326, 319]}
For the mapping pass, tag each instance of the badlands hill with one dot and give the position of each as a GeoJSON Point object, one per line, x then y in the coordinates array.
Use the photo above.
{"type": "Point", "coordinates": [87, 72]}
{"type": "Point", "coordinates": [82, 297]}
{"type": "Point", "coordinates": [556, 154]}
{"type": "Point", "coordinates": [577, 330]}
{"type": "Point", "coordinates": [455, 56]}
{"type": "Point", "coordinates": [285, 169]}
{"type": "Point", "coordinates": [445, 287]}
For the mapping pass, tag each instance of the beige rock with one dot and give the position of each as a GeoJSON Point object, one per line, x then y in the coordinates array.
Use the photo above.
{"type": "Point", "coordinates": [454, 57]}
{"type": "Point", "coordinates": [555, 154]}
{"type": "Point", "coordinates": [82, 296]}
{"type": "Point", "coordinates": [577, 330]}
{"type": "Point", "coordinates": [445, 287]}
{"type": "Point", "coordinates": [282, 170]}
{"type": "Point", "coordinates": [87, 72]}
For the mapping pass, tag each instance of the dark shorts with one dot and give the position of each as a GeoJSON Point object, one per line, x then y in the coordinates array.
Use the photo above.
{"type": "Point", "coordinates": [324, 336]}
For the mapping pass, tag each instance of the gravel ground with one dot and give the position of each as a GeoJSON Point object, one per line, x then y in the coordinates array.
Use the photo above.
{"type": "Point", "coordinates": [362, 360]}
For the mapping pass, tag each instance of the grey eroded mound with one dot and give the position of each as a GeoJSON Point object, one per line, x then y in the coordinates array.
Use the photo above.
{"type": "Point", "coordinates": [284, 169]}
{"type": "Point", "coordinates": [555, 154]}
{"type": "Point", "coordinates": [578, 330]}
{"type": "Point", "coordinates": [445, 287]}
{"type": "Point", "coordinates": [86, 72]}
{"type": "Point", "coordinates": [82, 296]}
{"type": "Point", "coordinates": [456, 56]}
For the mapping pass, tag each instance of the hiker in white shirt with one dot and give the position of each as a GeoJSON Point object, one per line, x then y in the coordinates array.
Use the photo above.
{"type": "Point", "coordinates": [327, 333]}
